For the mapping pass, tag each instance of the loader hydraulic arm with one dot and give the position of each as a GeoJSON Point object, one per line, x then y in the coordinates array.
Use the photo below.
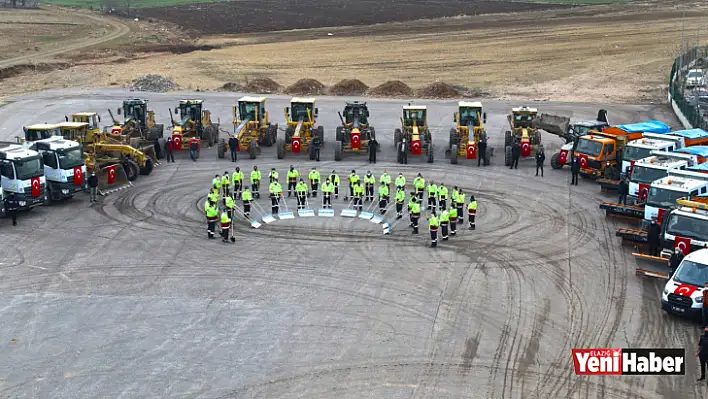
{"type": "Point", "coordinates": [172, 119]}
{"type": "Point", "coordinates": [115, 122]}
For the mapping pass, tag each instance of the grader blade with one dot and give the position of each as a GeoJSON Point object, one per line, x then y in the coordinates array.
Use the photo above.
{"type": "Point", "coordinates": [112, 178]}
{"type": "Point", "coordinates": [149, 151]}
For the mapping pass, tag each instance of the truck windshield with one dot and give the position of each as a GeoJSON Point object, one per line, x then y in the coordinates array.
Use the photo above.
{"type": "Point", "coordinates": [29, 167]}
{"type": "Point", "coordinates": [642, 174]}
{"type": "Point", "coordinates": [248, 110]}
{"type": "Point", "coordinates": [691, 273]}
{"type": "Point", "coordinates": [632, 153]}
{"type": "Point", "coordinates": [70, 158]}
{"type": "Point", "coordinates": [589, 147]}
{"type": "Point", "coordinates": [689, 227]}
{"type": "Point", "coordinates": [300, 111]}
{"type": "Point", "coordinates": [663, 198]}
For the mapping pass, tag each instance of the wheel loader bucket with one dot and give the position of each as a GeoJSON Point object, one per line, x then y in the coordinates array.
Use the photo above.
{"type": "Point", "coordinates": [555, 124]}
{"type": "Point", "coordinates": [112, 179]}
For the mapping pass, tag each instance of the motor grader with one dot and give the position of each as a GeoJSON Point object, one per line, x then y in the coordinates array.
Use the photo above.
{"type": "Point", "coordinates": [522, 130]}
{"type": "Point", "coordinates": [251, 127]}
{"type": "Point", "coordinates": [39, 131]}
{"type": "Point", "coordinates": [413, 136]}
{"type": "Point", "coordinates": [195, 122]}
{"type": "Point", "coordinates": [469, 118]}
{"type": "Point", "coordinates": [356, 132]}
{"type": "Point", "coordinates": [301, 119]}
{"type": "Point", "coordinates": [138, 121]}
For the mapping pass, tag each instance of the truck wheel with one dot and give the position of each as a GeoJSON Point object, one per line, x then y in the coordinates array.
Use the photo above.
{"type": "Point", "coordinates": [280, 147]}
{"type": "Point", "coordinates": [453, 138]}
{"type": "Point", "coordinates": [430, 153]}
{"type": "Point", "coordinates": [338, 150]}
{"type": "Point", "coordinates": [211, 135]}
{"type": "Point", "coordinates": [252, 149]}
{"type": "Point", "coordinates": [147, 169]}
{"type": "Point", "coordinates": [397, 137]}
{"type": "Point", "coordinates": [507, 155]}
{"type": "Point", "coordinates": [554, 161]}
{"type": "Point", "coordinates": [507, 138]}
{"type": "Point", "coordinates": [453, 154]}
{"type": "Point", "coordinates": [221, 150]}
{"type": "Point", "coordinates": [132, 170]}
{"type": "Point", "coordinates": [320, 134]}
{"type": "Point", "coordinates": [339, 134]}
{"type": "Point", "coordinates": [486, 158]}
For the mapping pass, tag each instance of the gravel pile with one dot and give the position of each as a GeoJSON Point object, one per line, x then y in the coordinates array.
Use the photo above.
{"type": "Point", "coordinates": [349, 87]}
{"type": "Point", "coordinates": [392, 88]}
{"type": "Point", "coordinates": [306, 87]}
{"type": "Point", "coordinates": [154, 83]}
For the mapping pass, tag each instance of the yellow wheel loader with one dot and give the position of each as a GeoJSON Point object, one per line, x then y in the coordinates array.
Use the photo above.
{"type": "Point", "coordinates": [301, 134]}
{"type": "Point", "coordinates": [413, 136]}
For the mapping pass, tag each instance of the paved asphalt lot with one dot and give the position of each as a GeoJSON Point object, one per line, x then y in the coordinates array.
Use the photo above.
{"type": "Point", "coordinates": [128, 299]}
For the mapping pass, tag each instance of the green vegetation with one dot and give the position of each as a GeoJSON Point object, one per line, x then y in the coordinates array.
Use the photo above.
{"type": "Point", "coordinates": [124, 4]}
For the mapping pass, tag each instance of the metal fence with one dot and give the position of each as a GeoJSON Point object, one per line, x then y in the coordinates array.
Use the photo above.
{"type": "Point", "coordinates": [687, 100]}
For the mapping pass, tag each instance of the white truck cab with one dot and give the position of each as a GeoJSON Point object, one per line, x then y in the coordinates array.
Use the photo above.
{"type": "Point", "coordinates": [664, 192]}
{"type": "Point", "coordinates": [642, 148]}
{"type": "Point", "coordinates": [654, 167]}
{"type": "Point", "coordinates": [683, 293]}
{"type": "Point", "coordinates": [64, 167]}
{"type": "Point", "coordinates": [23, 181]}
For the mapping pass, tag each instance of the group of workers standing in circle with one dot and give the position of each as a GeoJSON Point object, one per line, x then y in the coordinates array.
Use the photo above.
{"type": "Point", "coordinates": [232, 187]}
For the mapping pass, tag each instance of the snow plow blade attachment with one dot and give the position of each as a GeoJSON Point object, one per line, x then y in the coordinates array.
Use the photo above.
{"type": "Point", "coordinates": [651, 266]}
{"type": "Point", "coordinates": [632, 236]}
{"type": "Point", "coordinates": [554, 124]}
{"type": "Point", "coordinates": [608, 185]}
{"type": "Point", "coordinates": [120, 179]}
{"type": "Point", "coordinates": [626, 211]}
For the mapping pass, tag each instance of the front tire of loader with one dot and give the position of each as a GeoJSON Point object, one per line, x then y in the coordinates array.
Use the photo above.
{"type": "Point", "coordinates": [156, 132]}
{"type": "Point", "coordinates": [453, 154]}
{"type": "Point", "coordinates": [221, 151]}
{"type": "Point", "coordinates": [211, 135]}
{"type": "Point", "coordinates": [280, 147]}
{"type": "Point", "coordinates": [554, 161]}
{"type": "Point", "coordinates": [338, 150]}
{"type": "Point", "coordinates": [486, 158]}
{"type": "Point", "coordinates": [507, 138]}
{"type": "Point", "coordinates": [147, 169]}
{"type": "Point", "coordinates": [132, 170]}
{"type": "Point", "coordinates": [430, 153]}
{"type": "Point", "coordinates": [339, 134]}
{"type": "Point", "coordinates": [252, 149]}
{"type": "Point", "coordinates": [507, 155]}
{"type": "Point", "coordinates": [453, 138]}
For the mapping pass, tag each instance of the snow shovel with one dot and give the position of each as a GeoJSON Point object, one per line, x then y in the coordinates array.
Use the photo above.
{"type": "Point", "coordinates": [287, 214]}
{"type": "Point", "coordinates": [348, 212]}
{"type": "Point", "coordinates": [388, 226]}
{"type": "Point", "coordinates": [379, 218]}
{"type": "Point", "coordinates": [265, 217]}
{"type": "Point", "coordinates": [367, 215]}
{"type": "Point", "coordinates": [325, 212]}
{"type": "Point", "coordinates": [307, 212]}
{"type": "Point", "coordinates": [254, 223]}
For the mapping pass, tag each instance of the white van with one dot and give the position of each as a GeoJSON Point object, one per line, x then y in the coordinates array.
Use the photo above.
{"type": "Point", "coordinates": [683, 293]}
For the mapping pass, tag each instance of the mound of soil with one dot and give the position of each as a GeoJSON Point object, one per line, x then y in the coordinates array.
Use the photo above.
{"type": "Point", "coordinates": [392, 88]}
{"type": "Point", "coordinates": [349, 87]}
{"type": "Point", "coordinates": [231, 86]}
{"type": "Point", "coordinates": [154, 83]}
{"type": "Point", "coordinates": [262, 86]}
{"type": "Point", "coordinates": [439, 90]}
{"type": "Point", "coordinates": [305, 87]}
{"type": "Point", "coordinates": [36, 68]}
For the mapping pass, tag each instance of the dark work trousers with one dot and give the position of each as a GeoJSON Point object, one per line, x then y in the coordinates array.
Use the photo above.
{"type": "Point", "coordinates": [233, 155]}
{"type": "Point", "coordinates": [704, 361]}
{"type": "Point", "coordinates": [654, 249]}
{"type": "Point", "coordinates": [357, 203]}
{"type": "Point", "coordinates": [247, 208]}
{"type": "Point", "coordinates": [274, 204]}
{"type": "Point", "coordinates": [472, 224]}
{"type": "Point", "coordinates": [399, 210]}
{"type": "Point", "coordinates": [443, 203]}
{"type": "Point", "coordinates": [415, 218]}
{"type": "Point", "coordinates": [704, 316]}
{"type": "Point", "coordinates": [226, 190]}
{"type": "Point", "coordinates": [211, 225]}
{"type": "Point", "coordinates": [170, 155]}
{"type": "Point", "coordinates": [444, 226]}
{"type": "Point", "coordinates": [382, 204]}
{"type": "Point", "coordinates": [291, 187]}
{"type": "Point", "coordinates": [453, 227]}
{"type": "Point", "coordinates": [419, 194]}
{"type": "Point", "coordinates": [434, 237]}
{"type": "Point", "coordinates": [514, 163]}
{"type": "Point", "coordinates": [460, 218]}
{"type": "Point", "coordinates": [574, 179]}
{"type": "Point", "coordinates": [225, 233]}
{"type": "Point", "coordinates": [480, 156]}
{"type": "Point", "coordinates": [301, 200]}
{"type": "Point", "coordinates": [237, 187]}
{"type": "Point", "coordinates": [539, 167]}
{"type": "Point", "coordinates": [623, 199]}
{"type": "Point", "coordinates": [336, 191]}
{"type": "Point", "coordinates": [193, 155]}
{"type": "Point", "coordinates": [351, 190]}
{"type": "Point", "coordinates": [369, 192]}
{"type": "Point", "coordinates": [254, 187]}
{"type": "Point", "coordinates": [314, 184]}
{"type": "Point", "coordinates": [13, 214]}
{"type": "Point", "coordinates": [431, 202]}
{"type": "Point", "coordinates": [327, 200]}
{"type": "Point", "coordinates": [317, 154]}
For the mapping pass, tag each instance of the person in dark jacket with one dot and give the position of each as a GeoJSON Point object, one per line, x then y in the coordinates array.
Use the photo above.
{"type": "Point", "coordinates": [482, 152]}
{"type": "Point", "coordinates": [158, 148]}
{"type": "Point", "coordinates": [169, 150]}
{"type": "Point", "coordinates": [515, 155]}
{"type": "Point", "coordinates": [574, 171]}
{"type": "Point", "coordinates": [373, 144]}
{"type": "Point", "coordinates": [675, 261]}
{"type": "Point", "coordinates": [704, 307]}
{"type": "Point", "coordinates": [233, 148]}
{"type": "Point", "coordinates": [540, 159]}
{"type": "Point", "coordinates": [316, 145]}
{"type": "Point", "coordinates": [653, 238]}
{"type": "Point", "coordinates": [702, 353]}
{"type": "Point", "coordinates": [623, 190]}
{"type": "Point", "coordinates": [93, 187]}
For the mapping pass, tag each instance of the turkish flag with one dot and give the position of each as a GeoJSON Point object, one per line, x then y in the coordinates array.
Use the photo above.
{"type": "Point", "coordinates": [685, 290]}
{"type": "Point", "coordinates": [296, 145]}
{"type": "Point", "coordinates": [415, 147]}
{"type": "Point", "coordinates": [682, 243]}
{"type": "Point", "coordinates": [471, 151]}
{"type": "Point", "coordinates": [661, 215]}
{"type": "Point", "coordinates": [78, 176]}
{"type": "Point", "coordinates": [116, 130]}
{"type": "Point", "coordinates": [356, 140]}
{"type": "Point", "coordinates": [525, 149]}
{"type": "Point", "coordinates": [583, 161]}
{"type": "Point", "coordinates": [36, 189]}
{"type": "Point", "coordinates": [177, 140]}
{"type": "Point", "coordinates": [643, 191]}
{"type": "Point", "coordinates": [111, 174]}
{"type": "Point", "coordinates": [562, 157]}
{"type": "Point", "coordinates": [631, 167]}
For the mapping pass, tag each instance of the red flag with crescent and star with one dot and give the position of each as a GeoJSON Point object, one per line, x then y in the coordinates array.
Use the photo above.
{"type": "Point", "coordinates": [683, 243]}
{"type": "Point", "coordinates": [36, 189]}
{"type": "Point", "coordinates": [111, 174]}
{"type": "Point", "coordinates": [583, 161]}
{"type": "Point", "coordinates": [643, 191]}
{"type": "Point", "coordinates": [78, 176]}
{"type": "Point", "coordinates": [685, 290]}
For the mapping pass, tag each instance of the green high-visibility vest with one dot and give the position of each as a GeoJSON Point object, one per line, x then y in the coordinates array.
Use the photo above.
{"type": "Point", "coordinates": [472, 206]}
{"type": "Point", "coordinates": [400, 196]}
{"type": "Point", "coordinates": [328, 187]}
{"type": "Point", "coordinates": [433, 222]}
{"type": "Point", "coordinates": [216, 182]}
{"type": "Point", "coordinates": [453, 213]}
{"type": "Point", "coordinates": [415, 208]}
{"type": "Point", "coordinates": [400, 181]}
{"type": "Point", "coordinates": [334, 179]}
{"type": "Point", "coordinates": [383, 191]}
{"type": "Point", "coordinates": [445, 216]}
{"type": "Point", "coordinates": [460, 199]}
{"type": "Point", "coordinates": [419, 183]}
{"type": "Point", "coordinates": [358, 190]}
{"type": "Point", "coordinates": [230, 202]}
{"type": "Point", "coordinates": [246, 195]}
{"type": "Point", "coordinates": [301, 188]}
{"type": "Point", "coordinates": [385, 179]}
{"type": "Point", "coordinates": [293, 174]}
{"type": "Point", "coordinates": [237, 176]}
{"type": "Point", "coordinates": [225, 180]}
{"type": "Point", "coordinates": [255, 176]}
{"type": "Point", "coordinates": [353, 178]}
{"type": "Point", "coordinates": [225, 218]}
{"type": "Point", "coordinates": [432, 190]}
{"type": "Point", "coordinates": [212, 211]}
{"type": "Point", "coordinates": [275, 188]}
{"type": "Point", "coordinates": [442, 192]}
{"type": "Point", "coordinates": [369, 179]}
{"type": "Point", "coordinates": [273, 174]}
{"type": "Point", "coordinates": [314, 176]}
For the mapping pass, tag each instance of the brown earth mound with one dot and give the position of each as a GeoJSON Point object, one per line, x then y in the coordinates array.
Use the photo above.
{"type": "Point", "coordinates": [262, 86]}
{"type": "Point", "coordinates": [349, 87]}
{"type": "Point", "coordinates": [305, 87]}
{"type": "Point", "coordinates": [439, 90]}
{"type": "Point", "coordinates": [392, 88]}
{"type": "Point", "coordinates": [37, 68]}
{"type": "Point", "coordinates": [231, 86]}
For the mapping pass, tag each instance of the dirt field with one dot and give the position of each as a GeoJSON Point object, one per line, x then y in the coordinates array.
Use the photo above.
{"type": "Point", "coordinates": [271, 15]}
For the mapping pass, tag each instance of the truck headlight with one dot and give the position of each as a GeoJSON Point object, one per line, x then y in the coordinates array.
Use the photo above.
{"type": "Point", "coordinates": [698, 299]}
{"type": "Point", "coordinates": [21, 203]}
{"type": "Point", "coordinates": [65, 191]}
{"type": "Point", "coordinates": [666, 292]}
